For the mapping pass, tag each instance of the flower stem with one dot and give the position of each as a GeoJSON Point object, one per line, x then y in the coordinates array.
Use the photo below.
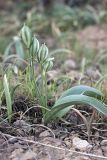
{"type": "Point", "coordinates": [44, 88]}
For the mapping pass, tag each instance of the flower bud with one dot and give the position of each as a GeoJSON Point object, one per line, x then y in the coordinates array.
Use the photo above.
{"type": "Point", "coordinates": [34, 46]}
{"type": "Point", "coordinates": [42, 54]}
{"type": "Point", "coordinates": [26, 36]}
{"type": "Point", "coordinates": [48, 65]}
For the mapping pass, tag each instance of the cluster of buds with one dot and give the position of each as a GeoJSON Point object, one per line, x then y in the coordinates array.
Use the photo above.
{"type": "Point", "coordinates": [48, 64]}
{"type": "Point", "coordinates": [34, 47]}
{"type": "Point", "coordinates": [40, 52]}
{"type": "Point", "coordinates": [26, 36]}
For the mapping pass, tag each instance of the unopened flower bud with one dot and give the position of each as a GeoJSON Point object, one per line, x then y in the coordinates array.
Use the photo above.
{"type": "Point", "coordinates": [47, 65]}
{"type": "Point", "coordinates": [26, 36]}
{"type": "Point", "coordinates": [42, 54]}
{"type": "Point", "coordinates": [34, 46]}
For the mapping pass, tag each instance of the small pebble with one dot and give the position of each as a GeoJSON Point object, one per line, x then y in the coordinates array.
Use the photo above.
{"type": "Point", "coordinates": [13, 140]}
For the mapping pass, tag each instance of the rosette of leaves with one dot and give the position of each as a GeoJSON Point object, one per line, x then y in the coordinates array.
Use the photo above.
{"type": "Point", "coordinates": [77, 95]}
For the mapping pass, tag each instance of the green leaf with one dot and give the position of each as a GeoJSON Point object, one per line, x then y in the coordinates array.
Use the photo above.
{"type": "Point", "coordinates": [13, 91]}
{"type": "Point", "coordinates": [82, 89]}
{"type": "Point", "coordinates": [7, 51]}
{"type": "Point", "coordinates": [8, 98]}
{"type": "Point", "coordinates": [67, 101]}
{"type": "Point", "coordinates": [19, 47]}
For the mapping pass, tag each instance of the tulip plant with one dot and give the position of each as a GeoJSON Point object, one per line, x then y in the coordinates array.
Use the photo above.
{"type": "Point", "coordinates": [40, 55]}
{"type": "Point", "coordinates": [76, 95]}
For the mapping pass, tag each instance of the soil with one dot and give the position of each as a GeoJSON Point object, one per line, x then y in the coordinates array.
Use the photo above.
{"type": "Point", "coordinates": [45, 146]}
{"type": "Point", "coordinates": [25, 139]}
{"type": "Point", "coordinates": [94, 37]}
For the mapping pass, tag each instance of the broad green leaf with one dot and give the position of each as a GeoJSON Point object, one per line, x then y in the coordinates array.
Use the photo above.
{"type": "Point", "coordinates": [7, 51]}
{"type": "Point", "coordinates": [63, 112]}
{"type": "Point", "coordinates": [67, 101]}
{"type": "Point", "coordinates": [82, 89]}
{"type": "Point", "coordinates": [19, 47]}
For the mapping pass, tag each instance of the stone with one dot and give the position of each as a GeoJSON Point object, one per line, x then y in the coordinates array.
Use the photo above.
{"type": "Point", "coordinates": [82, 158]}
{"type": "Point", "coordinates": [70, 64]}
{"type": "Point", "coordinates": [22, 124]}
{"type": "Point", "coordinates": [103, 143]}
{"type": "Point", "coordinates": [13, 140]}
{"type": "Point", "coordinates": [28, 155]}
{"type": "Point", "coordinates": [93, 73]}
{"type": "Point", "coordinates": [80, 144]}
{"type": "Point", "coordinates": [104, 146]}
{"type": "Point", "coordinates": [44, 134]}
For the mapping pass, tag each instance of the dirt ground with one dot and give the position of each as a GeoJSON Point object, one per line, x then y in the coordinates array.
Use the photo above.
{"type": "Point", "coordinates": [94, 37]}
{"type": "Point", "coordinates": [47, 147]}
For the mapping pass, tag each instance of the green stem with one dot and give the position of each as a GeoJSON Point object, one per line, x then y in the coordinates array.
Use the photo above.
{"type": "Point", "coordinates": [31, 71]}
{"type": "Point", "coordinates": [44, 88]}
{"type": "Point", "coordinates": [29, 68]}
{"type": "Point", "coordinates": [32, 67]}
